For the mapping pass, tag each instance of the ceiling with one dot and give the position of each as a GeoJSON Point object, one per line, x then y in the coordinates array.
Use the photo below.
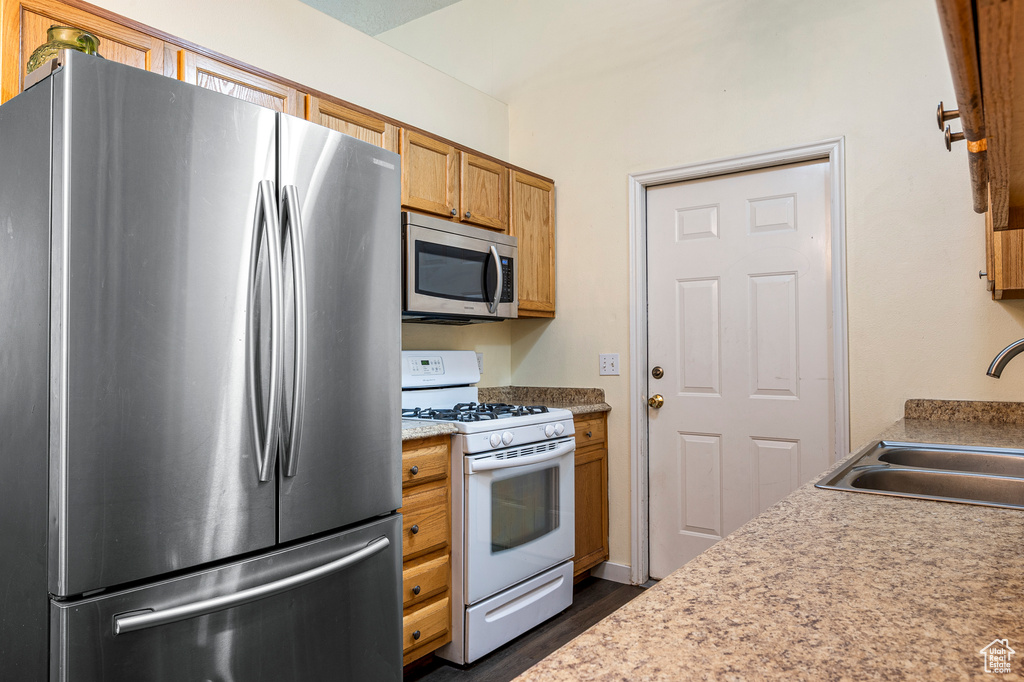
{"type": "Point", "coordinates": [377, 16]}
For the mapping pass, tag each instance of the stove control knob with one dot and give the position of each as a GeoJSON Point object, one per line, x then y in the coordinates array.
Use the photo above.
{"type": "Point", "coordinates": [495, 440]}
{"type": "Point", "coordinates": [559, 429]}
{"type": "Point", "coordinates": [549, 430]}
{"type": "Point", "coordinates": [506, 437]}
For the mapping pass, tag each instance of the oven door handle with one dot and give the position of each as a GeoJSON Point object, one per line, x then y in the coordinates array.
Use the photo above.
{"type": "Point", "coordinates": [489, 464]}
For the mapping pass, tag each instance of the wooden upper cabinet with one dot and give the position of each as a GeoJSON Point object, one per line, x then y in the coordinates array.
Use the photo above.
{"type": "Point", "coordinates": [24, 27]}
{"type": "Point", "coordinates": [214, 75]}
{"type": "Point", "coordinates": [532, 220]}
{"type": "Point", "coordinates": [351, 122]}
{"type": "Point", "coordinates": [430, 174]}
{"type": "Point", "coordinates": [483, 199]}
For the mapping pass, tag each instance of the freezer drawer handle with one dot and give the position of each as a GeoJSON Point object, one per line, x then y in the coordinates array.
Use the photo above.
{"type": "Point", "coordinates": [140, 620]}
{"type": "Point", "coordinates": [291, 228]}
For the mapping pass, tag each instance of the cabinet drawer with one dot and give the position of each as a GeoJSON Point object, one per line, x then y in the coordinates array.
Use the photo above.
{"type": "Point", "coordinates": [425, 624]}
{"type": "Point", "coordinates": [423, 581]}
{"type": "Point", "coordinates": [425, 462]}
{"type": "Point", "coordinates": [589, 429]}
{"type": "Point", "coordinates": [424, 520]}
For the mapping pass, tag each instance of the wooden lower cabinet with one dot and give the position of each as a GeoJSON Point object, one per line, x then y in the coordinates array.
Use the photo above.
{"type": "Point", "coordinates": [426, 546]}
{"type": "Point", "coordinates": [591, 478]}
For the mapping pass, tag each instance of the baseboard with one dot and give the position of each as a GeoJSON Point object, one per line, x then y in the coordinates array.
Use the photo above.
{"type": "Point", "coordinates": [618, 573]}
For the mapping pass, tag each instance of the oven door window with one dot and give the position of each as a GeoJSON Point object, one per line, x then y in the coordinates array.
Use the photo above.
{"type": "Point", "coordinates": [450, 272]}
{"type": "Point", "coordinates": [523, 508]}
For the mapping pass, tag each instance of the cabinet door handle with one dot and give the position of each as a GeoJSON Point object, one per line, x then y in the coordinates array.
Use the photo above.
{"type": "Point", "coordinates": [416, 590]}
{"type": "Point", "coordinates": [415, 529]}
{"type": "Point", "coordinates": [416, 635]}
{"type": "Point", "coordinates": [415, 470]}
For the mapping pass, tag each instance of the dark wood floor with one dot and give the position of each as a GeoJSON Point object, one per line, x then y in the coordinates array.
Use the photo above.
{"type": "Point", "coordinates": [592, 600]}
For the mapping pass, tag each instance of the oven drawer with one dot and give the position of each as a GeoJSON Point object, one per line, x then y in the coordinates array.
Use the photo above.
{"type": "Point", "coordinates": [423, 581]}
{"type": "Point", "coordinates": [425, 520]}
{"type": "Point", "coordinates": [425, 624]}
{"type": "Point", "coordinates": [425, 461]}
{"type": "Point", "coordinates": [510, 613]}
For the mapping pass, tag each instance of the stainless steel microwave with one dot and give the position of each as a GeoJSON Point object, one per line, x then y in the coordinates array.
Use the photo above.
{"type": "Point", "coordinates": [457, 274]}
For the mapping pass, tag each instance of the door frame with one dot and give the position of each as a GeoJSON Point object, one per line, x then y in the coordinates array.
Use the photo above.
{"type": "Point", "coordinates": [832, 150]}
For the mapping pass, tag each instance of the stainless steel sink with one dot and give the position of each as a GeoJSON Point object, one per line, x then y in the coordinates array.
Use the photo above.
{"type": "Point", "coordinates": [986, 476]}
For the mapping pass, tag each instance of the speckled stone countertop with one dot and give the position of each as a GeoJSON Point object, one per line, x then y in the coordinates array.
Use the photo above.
{"type": "Point", "coordinates": [829, 585]}
{"type": "Point", "coordinates": [576, 400]}
{"type": "Point", "coordinates": [412, 430]}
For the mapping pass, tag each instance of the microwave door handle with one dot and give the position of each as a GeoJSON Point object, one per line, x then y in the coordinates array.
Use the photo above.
{"type": "Point", "coordinates": [492, 307]}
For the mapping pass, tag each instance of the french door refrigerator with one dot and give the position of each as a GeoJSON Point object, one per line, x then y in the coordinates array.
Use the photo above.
{"type": "Point", "coordinates": [199, 435]}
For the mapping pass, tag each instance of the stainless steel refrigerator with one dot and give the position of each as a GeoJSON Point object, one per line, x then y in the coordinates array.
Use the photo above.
{"type": "Point", "coordinates": [199, 435]}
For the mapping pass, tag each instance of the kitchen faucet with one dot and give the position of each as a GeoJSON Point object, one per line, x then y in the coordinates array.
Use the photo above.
{"type": "Point", "coordinates": [1005, 355]}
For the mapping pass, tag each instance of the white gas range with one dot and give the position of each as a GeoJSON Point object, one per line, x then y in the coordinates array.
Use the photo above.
{"type": "Point", "coordinates": [512, 503]}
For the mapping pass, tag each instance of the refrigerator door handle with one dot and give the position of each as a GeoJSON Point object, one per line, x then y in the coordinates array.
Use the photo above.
{"type": "Point", "coordinates": [493, 305]}
{"type": "Point", "coordinates": [265, 434]}
{"type": "Point", "coordinates": [149, 618]}
{"type": "Point", "coordinates": [291, 224]}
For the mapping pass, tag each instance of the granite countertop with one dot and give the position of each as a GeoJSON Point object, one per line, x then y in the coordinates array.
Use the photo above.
{"type": "Point", "coordinates": [829, 585]}
{"type": "Point", "coordinates": [576, 400]}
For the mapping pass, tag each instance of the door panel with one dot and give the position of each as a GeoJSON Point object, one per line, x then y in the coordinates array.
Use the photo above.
{"type": "Point", "coordinates": [157, 459]}
{"type": "Point", "coordinates": [343, 626]}
{"type": "Point", "coordinates": [349, 436]}
{"type": "Point", "coordinates": [739, 317]}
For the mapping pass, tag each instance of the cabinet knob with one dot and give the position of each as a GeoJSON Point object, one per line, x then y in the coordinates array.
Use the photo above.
{"type": "Point", "coordinates": [416, 590]}
{"type": "Point", "coordinates": [468, 215]}
{"type": "Point", "coordinates": [414, 530]}
{"type": "Point", "coordinates": [455, 211]}
{"type": "Point", "coordinates": [952, 137]}
{"type": "Point", "coordinates": [982, 274]}
{"type": "Point", "coordinates": [944, 115]}
{"type": "Point", "coordinates": [414, 470]}
{"type": "Point", "coordinates": [416, 635]}
{"type": "Point", "coordinates": [590, 434]}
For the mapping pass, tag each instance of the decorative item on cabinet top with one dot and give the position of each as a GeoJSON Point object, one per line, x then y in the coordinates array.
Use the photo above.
{"type": "Point", "coordinates": [63, 38]}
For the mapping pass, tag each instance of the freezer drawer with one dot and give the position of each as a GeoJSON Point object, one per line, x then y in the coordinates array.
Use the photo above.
{"type": "Point", "coordinates": [343, 625]}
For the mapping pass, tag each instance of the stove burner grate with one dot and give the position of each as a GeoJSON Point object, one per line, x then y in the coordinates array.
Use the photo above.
{"type": "Point", "coordinates": [473, 412]}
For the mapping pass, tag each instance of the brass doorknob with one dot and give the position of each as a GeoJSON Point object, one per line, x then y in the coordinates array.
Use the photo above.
{"type": "Point", "coordinates": [656, 401]}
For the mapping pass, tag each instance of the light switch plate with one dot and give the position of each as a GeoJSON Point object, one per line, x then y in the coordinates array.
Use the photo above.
{"type": "Point", "coordinates": [480, 362]}
{"type": "Point", "coordinates": [609, 364]}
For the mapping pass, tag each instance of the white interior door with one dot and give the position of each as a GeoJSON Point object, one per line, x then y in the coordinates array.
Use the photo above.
{"type": "Point", "coordinates": [739, 319]}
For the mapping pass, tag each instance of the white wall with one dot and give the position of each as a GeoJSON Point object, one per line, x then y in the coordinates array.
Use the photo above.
{"type": "Point", "coordinates": [598, 89]}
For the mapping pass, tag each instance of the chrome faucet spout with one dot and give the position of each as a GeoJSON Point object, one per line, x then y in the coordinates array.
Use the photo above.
{"type": "Point", "coordinates": [1005, 355]}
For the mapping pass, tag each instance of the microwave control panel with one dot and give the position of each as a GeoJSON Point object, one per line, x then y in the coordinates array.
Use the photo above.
{"type": "Point", "coordinates": [507, 294]}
